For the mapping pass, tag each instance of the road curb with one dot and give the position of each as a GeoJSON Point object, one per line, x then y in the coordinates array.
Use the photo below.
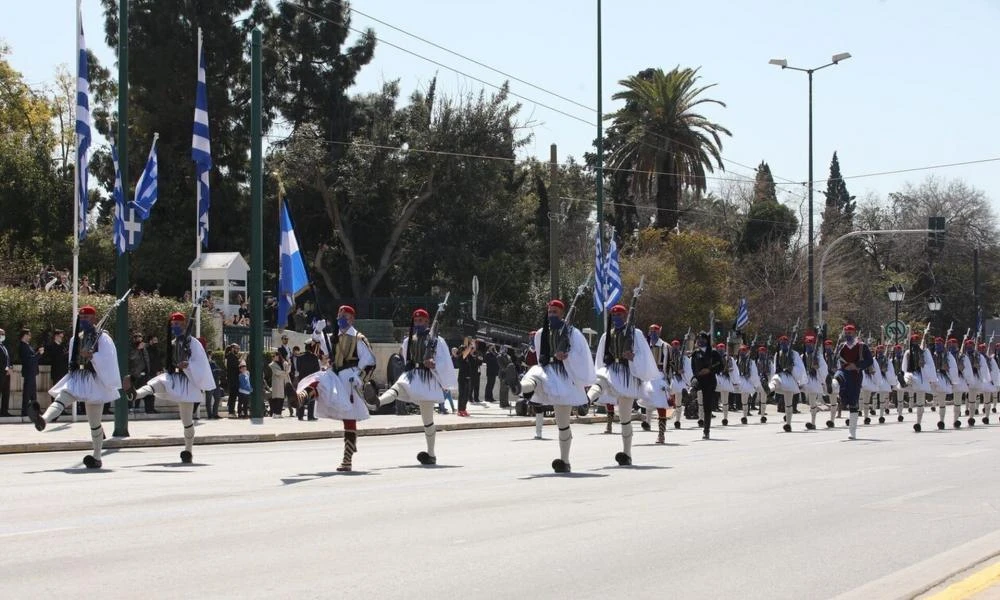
{"type": "Point", "coordinates": [255, 438]}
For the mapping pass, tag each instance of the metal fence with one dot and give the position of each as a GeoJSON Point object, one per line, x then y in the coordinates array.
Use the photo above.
{"type": "Point", "coordinates": [233, 334]}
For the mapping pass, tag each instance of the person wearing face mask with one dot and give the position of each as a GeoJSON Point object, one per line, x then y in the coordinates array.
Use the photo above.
{"type": "Point", "coordinates": [679, 369]}
{"type": "Point", "coordinates": [887, 381]}
{"type": "Point", "coordinates": [563, 372]}
{"type": "Point", "coordinates": [920, 375]}
{"type": "Point", "coordinates": [188, 376]}
{"type": "Point", "coordinates": [744, 379]}
{"type": "Point", "coordinates": [983, 384]}
{"type": "Point", "coordinates": [854, 358]}
{"type": "Point", "coordinates": [993, 360]}
{"type": "Point", "coordinates": [763, 364]}
{"type": "Point", "coordinates": [623, 364]}
{"type": "Point", "coordinates": [428, 372]}
{"type": "Point", "coordinates": [959, 387]}
{"type": "Point", "coordinates": [871, 384]}
{"type": "Point", "coordinates": [724, 386]}
{"type": "Point", "coordinates": [968, 365]}
{"type": "Point", "coordinates": [706, 364]}
{"type": "Point", "coordinates": [338, 391]}
{"type": "Point", "coordinates": [897, 395]}
{"type": "Point", "coordinates": [656, 392]}
{"type": "Point", "coordinates": [94, 379]}
{"type": "Point", "coordinates": [786, 371]}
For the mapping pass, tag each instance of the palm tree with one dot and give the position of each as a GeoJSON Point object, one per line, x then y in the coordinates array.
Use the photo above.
{"type": "Point", "coordinates": [659, 138]}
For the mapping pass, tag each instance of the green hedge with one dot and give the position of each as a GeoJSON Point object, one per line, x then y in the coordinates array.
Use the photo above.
{"type": "Point", "coordinates": [43, 311]}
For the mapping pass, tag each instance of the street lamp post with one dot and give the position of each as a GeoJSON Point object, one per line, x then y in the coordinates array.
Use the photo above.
{"type": "Point", "coordinates": [896, 295]}
{"type": "Point", "coordinates": [934, 305]}
{"type": "Point", "coordinates": [781, 62]}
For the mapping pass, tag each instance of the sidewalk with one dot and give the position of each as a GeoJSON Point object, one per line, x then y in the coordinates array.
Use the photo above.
{"type": "Point", "coordinates": [165, 429]}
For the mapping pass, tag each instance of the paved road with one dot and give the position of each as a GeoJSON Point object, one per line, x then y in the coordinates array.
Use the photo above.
{"type": "Point", "coordinates": [753, 513]}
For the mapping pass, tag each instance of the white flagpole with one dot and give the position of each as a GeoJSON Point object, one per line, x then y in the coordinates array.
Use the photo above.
{"type": "Point", "coordinates": [196, 285]}
{"type": "Point", "coordinates": [76, 206]}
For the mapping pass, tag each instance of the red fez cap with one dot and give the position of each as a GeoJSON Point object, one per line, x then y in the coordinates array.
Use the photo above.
{"type": "Point", "coordinates": [828, 343]}
{"type": "Point", "coordinates": [810, 339]}
{"type": "Point", "coordinates": [744, 348]}
{"type": "Point", "coordinates": [915, 337]}
{"type": "Point", "coordinates": [761, 348]}
{"type": "Point", "coordinates": [654, 327]}
{"type": "Point", "coordinates": [88, 311]}
{"type": "Point", "coordinates": [970, 342]}
{"type": "Point", "coordinates": [557, 303]}
{"type": "Point", "coordinates": [783, 338]}
{"type": "Point", "coordinates": [897, 347]}
{"type": "Point", "coordinates": [177, 316]}
{"type": "Point", "coordinates": [720, 346]}
{"type": "Point", "coordinates": [421, 313]}
{"type": "Point", "coordinates": [532, 332]}
{"type": "Point", "coordinates": [879, 347]}
{"type": "Point", "coordinates": [850, 327]}
{"type": "Point", "coordinates": [618, 308]}
{"type": "Point", "coordinates": [939, 340]}
{"type": "Point", "coordinates": [953, 339]}
{"type": "Point", "coordinates": [347, 308]}
{"type": "Point", "coordinates": [678, 343]}
{"type": "Point", "coordinates": [982, 346]}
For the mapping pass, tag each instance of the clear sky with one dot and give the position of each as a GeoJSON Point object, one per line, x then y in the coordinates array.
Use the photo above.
{"type": "Point", "coordinates": [919, 90]}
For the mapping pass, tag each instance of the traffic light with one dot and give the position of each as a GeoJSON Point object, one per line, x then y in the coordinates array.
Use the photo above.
{"type": "Point", "coordinates": [935, 237]}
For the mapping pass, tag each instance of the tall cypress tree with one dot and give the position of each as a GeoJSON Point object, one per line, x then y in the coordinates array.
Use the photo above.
{"type": "Point", "coordinates": [838, 215]}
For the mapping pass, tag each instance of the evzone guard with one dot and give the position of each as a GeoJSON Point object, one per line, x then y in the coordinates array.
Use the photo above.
{"type": "Point", "coordinates": [93, 379]}
{"type": "Point", "coordinates": [919, 374]}
{"type": "Point", "coordinates": [339, 390]}
{"type": "Point", "coordinates": [812, 384]}
{"type": "Point", "coordinates": [186, 378]}
{"type": "Point", "coordinates": [853, 359]}
{"type": "Point", "coordinates": [564, 370]}
{"type": "Point", "coordinates": [763, 365]}
{"type": "Point", "coordinates": [679, 367]}
{"type": "Point", "coordinates": [723, 381]}
{"type": "Point", "coordinates": [899, 391]}
{"type": "Point", "coordinates": [969, 361]}
{"type": "Point", "coordinates": [748, 380]}
{"type": "Point", "coordinates": [623, 366]}
{"type": "Point", "coordinates": [871, 384]}
{"type": "Point", "coordinates": [786, 371]}
{"type": "Point", "coordinates": [959, 385]}
{"type": "Point", "coordinates": [428, 372]}
{"type": "Point", "coordinates": [657, 394]}
{"type": "Point", "coordinates": [994, 366]}
{"type": "Point", "coordinates": [890, 381]}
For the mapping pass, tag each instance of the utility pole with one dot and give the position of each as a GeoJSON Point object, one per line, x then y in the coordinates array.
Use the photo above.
{"type": "Point", "coordinates": [975, 285]}
{"type": "Point", "coordinates": [122, 259]}
{"type": "Point", "coordinates": [256, 291]}
{"type": "Point", "coordinates": [599, 171]}
{"type": "Point", "coordinates": [555, 215]}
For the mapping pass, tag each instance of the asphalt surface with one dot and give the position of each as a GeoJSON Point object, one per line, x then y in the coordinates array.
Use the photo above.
{"type": "Point", "coordinates": [752, 513]}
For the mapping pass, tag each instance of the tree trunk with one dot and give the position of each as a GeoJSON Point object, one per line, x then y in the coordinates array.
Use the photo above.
{"type": "Point", "coordinates": [667, 196]}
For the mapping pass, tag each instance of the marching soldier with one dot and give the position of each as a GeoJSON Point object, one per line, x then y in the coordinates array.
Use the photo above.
{"type": "Point", "coordinates": [919, 375]}
{"type": "Point", "coordinates": [339, 390]}
{"type": "Point", "coordinates": [657, 392]}
{"type": "Point", "coordinates": [748, 380]}
{"type": "Point", "coordinates": [815, 378]}
{"type": "Point", "coordinates": [763, 364]}
{"type": "Point", "coordinates": [889, 381]}
{"type": "Point", "coordinates": [854, 358]}
{"type": "Point", "coordinates": [724, 383]}
{"type": "Point", "coordinates": [942, 381]}
{"type": "Point", "coordinates": [187, 377]}
{"type": "Point", "coordinates": [622, 367]}
{"type": "Point", "coordinates": [959, 387]}
{"type": "Point", "coordinates": [679, 369]}
{"type": "Point", "coordinates": [786, 371]}
{"type": "Point", "coordinates": [829, 397]}
{"type": "Point", "coordinates": [899, 394]}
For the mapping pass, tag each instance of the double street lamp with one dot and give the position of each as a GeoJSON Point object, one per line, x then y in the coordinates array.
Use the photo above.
{"type": "Point", "coordinates": [896, 295]}
{"type": "Point", "coordinates": [781, 62]}
{"type": "Point", "coordinates": [934, 305]}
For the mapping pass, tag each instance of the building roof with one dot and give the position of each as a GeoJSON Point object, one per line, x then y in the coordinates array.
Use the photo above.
{"type": "Point", "coordinates": [219, 260]}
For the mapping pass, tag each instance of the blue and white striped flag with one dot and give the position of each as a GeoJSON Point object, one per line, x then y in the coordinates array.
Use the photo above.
{"type": "Point", "coordinates": [613, 276]}
{"type": "Point", "coordinates": [742, 314]}
{"type": "Point", "coordinates": [128, 229]}
{"type": "Point", "coordinates": [145, 190]}
{"type": "Point", "coordinates": [599, 275]}
{"type": "Point", "coordinates": [292, 278]}
{"type": "Point", "coordinates": [201, 150]}
{"type": "Point", "coordinates": [83, 135]}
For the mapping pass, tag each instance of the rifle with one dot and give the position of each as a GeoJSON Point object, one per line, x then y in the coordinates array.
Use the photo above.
{"type": "Point", "coordinates": [430, 349]}
{"type": "Point", "coordinates": [964, 338]}
{"type": "Point", "coordinates": [795, 332]}
{"type": "Point", "coordinates": [561, 337]}
{"type": "Point", "coordinates": [630, 321]}
{"type": "Point", "coordinates": [923, 339]}
{"type": "Point", "coordinates": [580, 291]}
{"type": "Point", "coordinates": [688, 341]}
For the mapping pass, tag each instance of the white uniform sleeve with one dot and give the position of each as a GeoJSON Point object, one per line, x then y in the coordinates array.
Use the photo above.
{"type": "Point", "coordinates": [822, 370]}
{"type": "Point", "coordinates": [643, 365]}
{"type": "Point", "coordinates": [199, 372]}
{"type": "Point", "coordinates": [599, 357]}
{"type": "Point", "coordinates": [105, 362]}
{"type": "Point", "coordinates": [798, 369]}
{"type": "Point", "coordinates": [365, 357]}
{"type": "Point", "coordinates": [579, 364]}
{"type": "Point", "coordinates": [444, 367]}
{"type": "Point", "coordinates": [929, 372]}
{"type": "Point", "coordinates": [688, 370]}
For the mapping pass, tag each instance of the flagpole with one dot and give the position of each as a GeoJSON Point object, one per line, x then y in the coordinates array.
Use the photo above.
{"type": "Point", "coordinates": [196, 280]}
{"type": "Point", "coordinates": [76, 206]}
{"type": "Point", "coordinates": [122, 262]}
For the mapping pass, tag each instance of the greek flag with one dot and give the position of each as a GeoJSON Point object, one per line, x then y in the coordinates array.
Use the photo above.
{"type": "Point", "coordinates": [599, 275]}
{"type": "Point", "coordinates": [292, 279]}
{"type": "Point", "coordinates": [742, 314]}
{"type": "Point", "coordinates": [82, 131]}
{"type": "Point", "coordinates": [612, 276]}
{"type": "Point", "coordinates": [201, 150]}
{"type": "Point", "coordinates": [128, 230]}
{"type": "Point", "coordinates": [145, 190]}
